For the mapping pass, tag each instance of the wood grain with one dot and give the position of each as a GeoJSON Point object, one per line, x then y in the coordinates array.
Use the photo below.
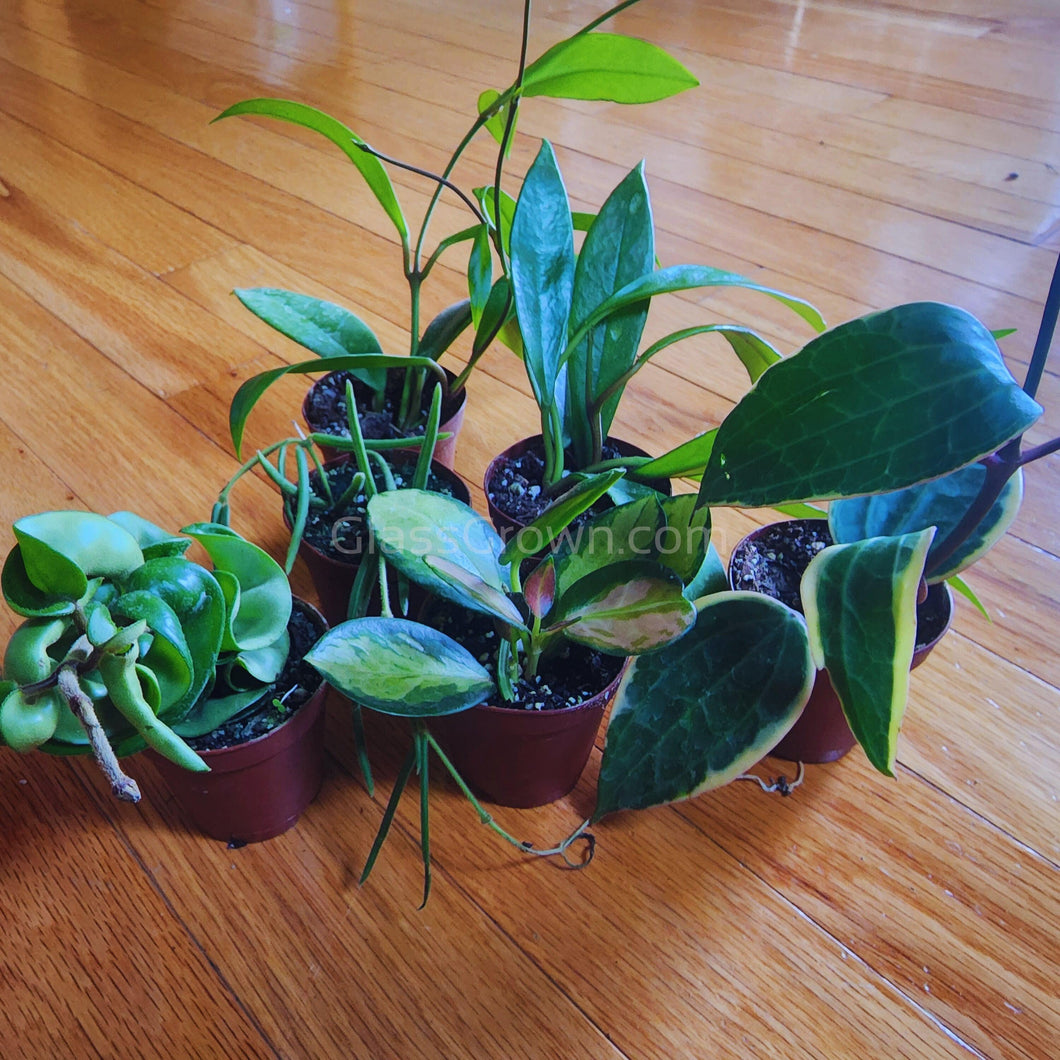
{"type": "Point", "coordinates": [855, 154]}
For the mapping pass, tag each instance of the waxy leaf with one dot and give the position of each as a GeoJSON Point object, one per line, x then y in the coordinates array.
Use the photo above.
{"type": "Point", "coordinates": [606, 66]}
{"type": "Point", "coordinates": [542, 272]}
{"type": "Point", "coordinates": [345, 139]}
{"type": "Point", "coordinates": [498, 121]}
{"type": "Point", "coordinates": [703, 710]}
{"type": "Point", "coordinates": [444, 329]}
{"type": "Point", "coordinates": [153, 540]}
{"type": "Point", "coordinates": [619, 247]}
{"type": "Point", "coordinates": [626, 608]}
{"type": "Point", "coordinates": [56, 555]}
{"type": "Point", "coordinates": [259, 613]}
{"type": "Point", "coordinates": [879, 403]}
{"type": "Point", "coordinates": [198, 601]}
{"type": "Point", "coordinates": [941, 503]}
{"type": "Point", "coordinates": [329, 330]}
{"type": "Point", "coordinates": [411, 526]}
{"type": "Point", "coordinates": [860, 606]}
{"type": "Point", "coordinates": [400, 667]}
{"type": "Point", "coordinates": [684, 460]}
{"type": "Point", "coordinates": [474, 592]}
{"type": "Point", "coordinates": [529, 540]}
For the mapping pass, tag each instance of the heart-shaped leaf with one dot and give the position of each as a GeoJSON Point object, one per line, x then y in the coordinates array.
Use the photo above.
{"type": "Point", "coordinates": [879, 403]}
{"type": "Point", "coordinates": [700, 712]}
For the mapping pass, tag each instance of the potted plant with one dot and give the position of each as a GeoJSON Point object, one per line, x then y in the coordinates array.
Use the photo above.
{"type": "Point", "coordinates": [324, 504]}
{"type": "Point", "coordinates": [126, 644]}
{"type": "Point", "coordinates": [487, 682]}
{"type": "Point", "coordinates": [588, 65]}
{"type": "Point", "coordinates": [915, 396]}
{"type": "Point", "coordinates": [909, 423]}
{"type": "Point", "coordinates": [581, 318]}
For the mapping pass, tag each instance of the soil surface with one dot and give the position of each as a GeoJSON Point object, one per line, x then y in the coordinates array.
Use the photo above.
{"type": "Point", "coordinates": [325, 407]}
{"type": "Point", "coordinates": [566, 678]}
{"type": "Point", "coordinates": [341, 530]}
{"type": "Point", "coordinates": [516, 485]}
{"type": "Point", "coordinates": [775, 561]}
{"type": "Point", "coordinates": [295, 685]}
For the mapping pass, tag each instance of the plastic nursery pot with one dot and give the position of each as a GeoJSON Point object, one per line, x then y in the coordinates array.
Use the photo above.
{"type": "Point", "coordinates": [333, 571]}
{"type": "Point", "coordinates": [523, 758]}
{"type": "Point", "coordinates": [258, 789]}
{"type": "Point", "coordinates": [322, 413]}
{"type": "Point", "coordinates": [507, 523]}
{"type": "Point", "coordinates": [821, 733]}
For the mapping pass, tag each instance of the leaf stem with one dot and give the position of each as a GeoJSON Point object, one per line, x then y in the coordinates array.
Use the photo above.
{"type": "Point", "coordinates": [560, 849]}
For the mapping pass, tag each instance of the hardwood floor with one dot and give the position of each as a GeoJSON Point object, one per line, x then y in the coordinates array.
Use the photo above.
{"type": "Point", "coordinates": [856, 154]}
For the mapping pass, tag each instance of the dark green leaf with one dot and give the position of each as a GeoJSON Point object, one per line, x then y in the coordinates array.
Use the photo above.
{"type": "Point", "coordinates": [619, 248]}
{"type": "Point", "coordinates": [860, 607]}
{"type": "Point", "coordinates": [700, 712]}
{"type": "Point", "coordinates": [880, 403]}
{"type": "Point", "coordinates": [941, 503]}
{"type": "Point", "coordinates": [542, 273]}
{"type": "Point", "coordinates": [444, 329]}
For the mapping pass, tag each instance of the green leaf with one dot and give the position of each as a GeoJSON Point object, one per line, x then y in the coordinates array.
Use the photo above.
{"type": "Point", "coordinates": [263, 606]}
{"type": "Point", "coordinates": [687, 459]}
{"type": "Point", "coordinates": [686, 278]}
{"type": "Point", "coordinates": [211, 713]}
{"type": "Point", "coordinates": [400, 667]}
{"type": "Point", "coordinates": [941, 503]}
{"type": "Point", "coordinates": [329, 330]}
{"type": "Point", "coordinates": [606, 66]}
{"type": "Point", "coordinates": [700, 712]}
{"type": "Point", "coordinates": [345, 139]}
{"type": "Point", "coordinates": [56, 555]}
{"type": "Point", "coordinates": [542, 273]}
{"type": "Point", "coordinates": [625, 608]}
{"type": "Point", "coordinates": [411, 525]}
{"type": "Point", "coordinates": [198, 602]}
{"type": "Point", "coordinates": [499, 309]}
{"type": "Point", "coordinates": [860, 606]}
{"type": "Point", "coordinates": [479, 274]}
{"type": "Point", "coordinates": [444, 329]}
{"type": "Point", "coordinates": [168, 657]}
{"type": "Point", "coordinates": [248, 394]}
{"type": "Point", "coordinates": [959, 585]}
{"type": "Point", "coordinates": [497, 123]}
{"type": "Point", "coordinates": [877, 404]}
{"type": "Point", "coordinates": [619, 247]}
{"type": "Point", "coordinates": [486, 197]}
{"type": "Point", "coordinates": [152, 539]}
{"type": "Point", "coordinates": [550, 524]}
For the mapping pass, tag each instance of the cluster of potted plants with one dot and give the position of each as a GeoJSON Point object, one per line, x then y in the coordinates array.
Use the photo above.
{"type": "Point", "coordinates": [502, 640]}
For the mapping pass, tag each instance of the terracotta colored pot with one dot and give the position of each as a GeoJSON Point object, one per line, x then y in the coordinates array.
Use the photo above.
{"type": "Point", "coordinates": [333, 575]}
{"type": "Point", "coordinates": [258, 789]}
{"type": "Point", "coordinates": [452, 421]}
{"type": "Point", "coordinates": [821, 733]}
{"type": "Point", "coordinates": [508, 525]}
{"type": "Point", "coordinates": [522, 758]}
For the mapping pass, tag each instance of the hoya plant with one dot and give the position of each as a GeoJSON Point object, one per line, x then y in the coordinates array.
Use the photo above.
{"type": "Point", "coordinates": [582, 318]}
{"type": "Point", "coordinates": [623, 584]}
{"type": "Point", "coordinates": [588, 65]}
{"type": "Point", "coordinates": [128, 644]}
{"type": "Point", "coordinates": [909, 423]}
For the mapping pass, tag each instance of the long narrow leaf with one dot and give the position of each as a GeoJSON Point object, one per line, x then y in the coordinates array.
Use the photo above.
{"type": "Point", "coordinates": [345, 139]}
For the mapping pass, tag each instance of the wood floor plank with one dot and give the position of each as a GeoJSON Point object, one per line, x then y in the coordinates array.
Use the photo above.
{"type": "Point", "coordinates": [853, 153]}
